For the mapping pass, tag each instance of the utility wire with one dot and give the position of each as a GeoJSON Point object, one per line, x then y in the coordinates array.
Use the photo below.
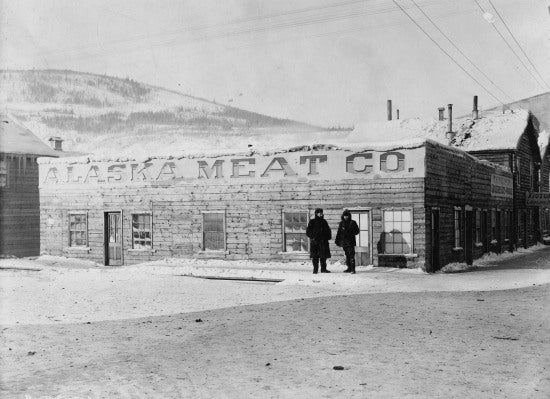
{"type": "Point", "coordinates": [446, 53]}
{"type": "Point", "coordinates": [459, 50]}
{"type": "Point", "coordinates": [508, 44]}
{"type": "Point", "coordinates": [519, 45]}
{"type": "Point", "coordinates": [282, 24]}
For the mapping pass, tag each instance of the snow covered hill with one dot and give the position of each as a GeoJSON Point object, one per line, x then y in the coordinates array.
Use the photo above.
{"type": "Point", "coordinates": [95, 113]}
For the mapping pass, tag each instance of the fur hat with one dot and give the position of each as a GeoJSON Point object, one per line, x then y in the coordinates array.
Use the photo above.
{"type": "Point", "coordinates": [318, 210]}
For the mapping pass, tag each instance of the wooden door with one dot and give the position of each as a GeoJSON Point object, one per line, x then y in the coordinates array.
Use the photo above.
{"type": "Point", "coordinates": [363, 253]}
{"type": "Point", "coordinates": [434, 242]}
{"type": "Point", "coordinates": [113, 238]}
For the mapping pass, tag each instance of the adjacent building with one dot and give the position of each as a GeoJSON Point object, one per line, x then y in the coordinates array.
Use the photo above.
{"type": "Point", "coordinates": [19, 195]}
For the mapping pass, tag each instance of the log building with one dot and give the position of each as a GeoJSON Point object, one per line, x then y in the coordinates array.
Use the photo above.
{"type": "Point", "coordinates": [418, 204]}
{"type": "Point", "coordinates": [19, 196]}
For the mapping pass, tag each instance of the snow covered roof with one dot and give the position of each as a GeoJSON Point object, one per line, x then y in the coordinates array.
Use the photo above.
{"type": "Point", "coordinates": [15, 139]}
{"type": "Point", "coordinates": [493, 131]}
{"type": "Point", "coordinates": [543, 141]}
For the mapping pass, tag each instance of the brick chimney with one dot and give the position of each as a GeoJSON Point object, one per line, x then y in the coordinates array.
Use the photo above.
{"type": "Point", "coordinates": [475, 112]}
{"type": "Point", "coordinates": [441, 113]}
{"type": "Point", "coordinates": [389, 110]}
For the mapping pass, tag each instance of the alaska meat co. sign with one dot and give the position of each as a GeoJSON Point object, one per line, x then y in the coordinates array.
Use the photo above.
{"type": "Point", "coordinates": [297, 166]}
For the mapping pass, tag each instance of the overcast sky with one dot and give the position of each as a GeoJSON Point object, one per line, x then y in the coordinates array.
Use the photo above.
{"type": "Point", "coordinates": [326, 62]}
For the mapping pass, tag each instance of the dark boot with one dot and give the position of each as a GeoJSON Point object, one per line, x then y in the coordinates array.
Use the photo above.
{"type": "Point", "coordinates": [315, 265]}
{"type": "Point", "coordinates": [324, 266]}
{"type": "Point", "coordinates": [352, 266]}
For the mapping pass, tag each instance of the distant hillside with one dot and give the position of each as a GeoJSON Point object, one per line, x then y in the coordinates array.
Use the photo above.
{"type": "Point", "coordinates": [83, 108]}
{"type": "Point", "coordinates": [539, 105]}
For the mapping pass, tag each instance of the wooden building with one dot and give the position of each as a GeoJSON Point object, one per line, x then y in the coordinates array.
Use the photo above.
{"type": "Point", "coordinates": [19, 196]}
{"type": "Point", "coordinates": [418, 204]}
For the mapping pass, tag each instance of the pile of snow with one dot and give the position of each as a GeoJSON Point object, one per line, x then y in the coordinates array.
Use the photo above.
{"type": "Point", "coordinates": [489, 260]}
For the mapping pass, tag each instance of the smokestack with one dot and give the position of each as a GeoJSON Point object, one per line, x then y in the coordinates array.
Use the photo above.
{"type": "Point", "coordinates": [450, 134]}
{"type": "Point", "coordinates": [475, 112]}
{"type": "Point", "coordinates": [441, 113]}
{"type": "Point", "coordinates": [450, 106]}
{"type": "Point", "coordinates": [389, 110]}
{"type": "Point", "coordinates": [397, 114]}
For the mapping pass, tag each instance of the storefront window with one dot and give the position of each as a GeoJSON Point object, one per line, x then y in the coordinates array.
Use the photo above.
{"type": "Point", "coordinates": [213, 224]}
{"type": "Point", "coordinates": [397, 232]}
{"type": "Point", "coordinates": [141, 231]}
{"type": "Point", "coordinates": [458, 227]}
{"type": "Point", "coordinates": [78, 230]}
{"type": "Point", "coordinates": [295, 224]}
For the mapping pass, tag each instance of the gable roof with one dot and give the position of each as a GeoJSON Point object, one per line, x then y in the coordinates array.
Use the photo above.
{"type": "Point", "coordinates": [16, 139]}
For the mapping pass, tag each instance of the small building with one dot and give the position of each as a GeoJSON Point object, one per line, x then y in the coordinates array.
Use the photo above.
{"type": "Point", "coordinates": [19, 196]}
{"type": "Point", "coordinates": [418, 203]}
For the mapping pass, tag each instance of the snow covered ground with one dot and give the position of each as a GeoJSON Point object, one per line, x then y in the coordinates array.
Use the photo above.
{"type": "Point", "coordinates": [63, 290]}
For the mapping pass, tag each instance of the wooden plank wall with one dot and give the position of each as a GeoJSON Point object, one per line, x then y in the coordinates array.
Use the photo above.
{"type": "Point", "coordinates": [457, 179]}
{"type": "Point", "coordinates": [253, 214]}
{"type": "Point", "coordinates": [20, 207]}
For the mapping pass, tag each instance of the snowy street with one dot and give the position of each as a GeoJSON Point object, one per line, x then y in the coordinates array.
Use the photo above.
{"type": "Point", "coordinates": [75, 329]}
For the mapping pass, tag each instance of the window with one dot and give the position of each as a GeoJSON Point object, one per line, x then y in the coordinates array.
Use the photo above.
{"type": "Point", "coordinates": [478, 226]}
{"type": "Point", "coordinates": [3, 173]}
{"type": "Point", "coordinates": [295, 224]}
{"type": "Point", "coordinates": [458, 227]}
{"type": "Point", "coordinates": [141, 231]}
{"type": "Point", "coordinates": [78, 230]}
{"type": "Point", "coordinates": [397, 232]}
{"type": "Point", "coordinates": [213, 228]}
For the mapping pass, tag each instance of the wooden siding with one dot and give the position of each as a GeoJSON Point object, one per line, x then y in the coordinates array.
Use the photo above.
{"type": "Point", "coordinates": [253, 212]}
{"type": "Point", "coordinates": [20, 207]}
{"type": "Point", "coordinates": [456, 179]}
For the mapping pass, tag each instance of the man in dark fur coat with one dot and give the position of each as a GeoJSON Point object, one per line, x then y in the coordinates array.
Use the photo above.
{"type": "Point", "coordinates": [345, 238]}
{"type": "Point", "coordinates": [319, 234]}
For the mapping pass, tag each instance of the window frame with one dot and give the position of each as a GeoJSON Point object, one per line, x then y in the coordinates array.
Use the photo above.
{"type": "Point", "coordinates": [307, 212]}
{"type": "Point", "coordinates": [80, 213]}
{"type": "Point", "coordinates": [411, 232]}
{"type": "Point", "coordinates": [224, 231]}
{"type": "Point", "coordinates": [150, 214]}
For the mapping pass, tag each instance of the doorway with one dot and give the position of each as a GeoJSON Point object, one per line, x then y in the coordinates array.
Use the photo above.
{"type": "Point", "coordinates": [434, 241]}
{"type": "Point", "coordinates": [469, 237]}
{"type": "Point", "coordinates": [113, 238]}
{"type": "Point", "coordinates": [363, 253]}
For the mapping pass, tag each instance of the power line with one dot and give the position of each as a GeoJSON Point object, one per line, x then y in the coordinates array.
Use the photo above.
{"type": "Point", "coordinates": [446, 53]}
{"type": "Point", "coordinates": [288, 23]}
{"type": "Point", "coordinates": [508, 44]}
{"type": "Point", "coordinates": [459, 50]}
{"type": "Point", "coordinates": [519, 45]}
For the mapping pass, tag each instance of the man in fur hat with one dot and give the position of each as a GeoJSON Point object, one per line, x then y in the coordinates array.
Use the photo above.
{"type": "Point", "coordinates": [319, 234]}
{"type": "Point", "coordinates": [345, 238]}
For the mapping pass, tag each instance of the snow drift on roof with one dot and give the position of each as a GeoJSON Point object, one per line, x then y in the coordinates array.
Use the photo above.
{"type": "Point", "coordinates": [493, 131]}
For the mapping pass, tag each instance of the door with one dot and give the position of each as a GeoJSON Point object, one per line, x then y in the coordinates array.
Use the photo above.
{"type": "Point", "coordinates": [363, 249]}
{"type": "Point", "coordinates": [469, 238]}
{"type": "Point", "coordinates": [434, 241]}
{"type": "Point", "coordinates": [113, 238]}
